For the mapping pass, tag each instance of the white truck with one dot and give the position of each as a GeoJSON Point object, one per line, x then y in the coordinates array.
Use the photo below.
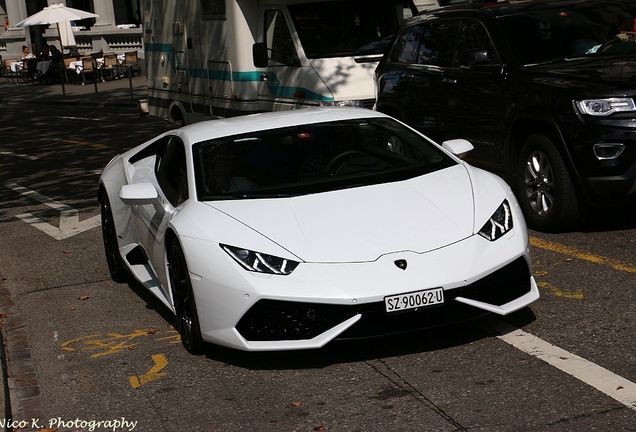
{"type": "Point", "coordinates": [221, 58]}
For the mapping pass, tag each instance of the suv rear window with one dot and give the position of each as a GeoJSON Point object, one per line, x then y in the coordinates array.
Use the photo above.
{"type": "Point", "coordinates": [577, 30]}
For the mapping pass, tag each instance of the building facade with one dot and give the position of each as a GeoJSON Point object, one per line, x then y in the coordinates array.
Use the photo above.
{"type": "Point", "coordinates": [118, 28]}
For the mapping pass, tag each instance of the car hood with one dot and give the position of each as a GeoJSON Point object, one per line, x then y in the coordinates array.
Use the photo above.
{"type": "Point", "coordinates": [364, 223]}
{"type": "Point", "coordinates": [608, 72]}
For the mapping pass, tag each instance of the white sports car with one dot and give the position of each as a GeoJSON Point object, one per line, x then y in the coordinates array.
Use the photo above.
{"type": "Point", "coordinates": [287, 230]}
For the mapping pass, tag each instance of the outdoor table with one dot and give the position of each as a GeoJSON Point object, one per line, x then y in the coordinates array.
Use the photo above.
{"type": "Point", "coordinates": [43, 66]}
{"type": "Point", "coordinates": [77, 66]}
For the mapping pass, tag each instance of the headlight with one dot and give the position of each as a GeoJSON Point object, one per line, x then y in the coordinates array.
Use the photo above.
{"type": "Point", "coordinates": [260, 262]}
{"type": "Point", "coordinates": [498, 224]}
{"type": "Point", "coordinates": [605, 107]}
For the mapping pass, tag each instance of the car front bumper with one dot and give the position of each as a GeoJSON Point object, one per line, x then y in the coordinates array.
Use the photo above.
{"type": "Point", "coordinates": [318, 303]}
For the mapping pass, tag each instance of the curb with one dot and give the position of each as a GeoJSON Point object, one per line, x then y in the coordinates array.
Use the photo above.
{"type": "Point", "coordinates": [21, 389]}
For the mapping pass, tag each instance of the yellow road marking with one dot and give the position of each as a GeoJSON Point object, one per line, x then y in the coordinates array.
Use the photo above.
{"type": "Point", "coordinates": [84, 143]}
{"type": "Point", "coordinates": [152, 374]}
{"type": "Point", "coordinates": [578, 294]}
{"type": "Point", "coordinates": [112, 343]}
{"type": "Point", "coordinates": [576, 253]}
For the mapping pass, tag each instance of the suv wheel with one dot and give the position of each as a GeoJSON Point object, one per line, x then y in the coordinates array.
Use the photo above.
{"type": "Point", "coordinates": [544, 188]}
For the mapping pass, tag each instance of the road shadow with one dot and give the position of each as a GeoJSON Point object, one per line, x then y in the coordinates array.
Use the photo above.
{"type": "Point", "coordinates": [62, 160]}
{"type": "Point", "coordinates": [609, 219]}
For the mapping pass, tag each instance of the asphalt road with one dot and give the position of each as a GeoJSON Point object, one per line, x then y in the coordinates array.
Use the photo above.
{"type": "Point", "coordinates": [84, 352]}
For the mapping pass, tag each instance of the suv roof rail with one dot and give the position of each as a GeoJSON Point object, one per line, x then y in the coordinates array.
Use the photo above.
{"type": "Point", "coordinates": [474, 3]}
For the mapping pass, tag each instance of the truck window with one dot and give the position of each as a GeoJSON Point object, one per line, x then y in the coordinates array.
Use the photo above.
{"type": "Point", "coordinates": [346, 28]}
{"type": "Point", "coordinates": [213, 9]}
{"type": "Point", "coordinates": [278, 38]}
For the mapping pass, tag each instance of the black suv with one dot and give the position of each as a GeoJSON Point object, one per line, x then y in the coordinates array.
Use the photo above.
{"type": "Point", "coordinates": [544, 90]}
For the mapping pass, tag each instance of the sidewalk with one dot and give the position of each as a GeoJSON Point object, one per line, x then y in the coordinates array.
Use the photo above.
{"type": "Point", "coordinates": [110, 93]}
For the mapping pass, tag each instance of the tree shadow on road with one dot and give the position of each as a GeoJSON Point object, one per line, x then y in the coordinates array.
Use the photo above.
{"type": "Point", "coordinates": [609, 219]}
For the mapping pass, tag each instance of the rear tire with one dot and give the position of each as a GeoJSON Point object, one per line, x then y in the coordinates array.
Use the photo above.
{"type": "Point", "coordinates": [118, 270]}
{"type": "Point", "coordinates": [546, 193]}
{"type": "Point", "coordinates": [183, 298]}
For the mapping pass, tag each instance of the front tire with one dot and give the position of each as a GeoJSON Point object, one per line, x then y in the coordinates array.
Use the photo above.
{"type": "Point", "coordinates": [183, 298]}
{"type": "Point", "coordinates": [118, 271]}
{"type": "Point", "coordinates": [544, 188]}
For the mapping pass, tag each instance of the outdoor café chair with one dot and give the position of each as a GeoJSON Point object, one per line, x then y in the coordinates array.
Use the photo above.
{"type": "Point", "coordinates": [89, 67]}
{"type": "Point", "coordinates": [8, 72]}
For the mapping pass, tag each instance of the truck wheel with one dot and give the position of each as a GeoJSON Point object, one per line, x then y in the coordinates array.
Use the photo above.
{"type": "Point", "coordinates": [544, 188]}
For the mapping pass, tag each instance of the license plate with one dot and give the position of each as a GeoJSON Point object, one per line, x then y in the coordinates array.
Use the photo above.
{"type": "Point", "coordinates": [414, 300]}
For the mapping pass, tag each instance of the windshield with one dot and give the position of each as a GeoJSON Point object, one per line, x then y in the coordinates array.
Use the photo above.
{"type": "Point", "coordinates": [312, 158]}
{"type": "Point", "coordinates": [583, 29]}
{"type": "Point", "coordinates": [345, 28]}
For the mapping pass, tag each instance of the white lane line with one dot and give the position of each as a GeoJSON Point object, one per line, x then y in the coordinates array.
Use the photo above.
{"type": "Point", "coordinates": [69, 224]}
{"type": "Point", "coordinates": [608, 382]}
{"type": "Point", "coordinates": [10, 153]}
{"type": "Point", "coordinates": [79, 118]}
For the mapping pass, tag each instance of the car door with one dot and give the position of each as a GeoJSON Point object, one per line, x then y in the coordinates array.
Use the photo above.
{"type": "Point", "coordinates": [475, 97]}
{"type": "Point", "coordinates": [172, 186]}
{"type": "Point", "coordinates": [424, 101]}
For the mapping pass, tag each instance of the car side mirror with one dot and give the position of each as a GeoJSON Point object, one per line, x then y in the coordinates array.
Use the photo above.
{"type": "Point", "coordinates": [478, 60]}
{"type": "Point", "coordinates": [141, 194]}
{"type": "Point", "coordinates": [458, 147]}
{"type": "Point", "coordinates": [259, 55]}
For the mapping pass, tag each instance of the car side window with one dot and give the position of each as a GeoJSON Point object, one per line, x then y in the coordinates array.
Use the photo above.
{"type": "Point", "coordinates": [436, 47]}
{"type": "Point", "coordinates": [407, 46]}
{"type": "Point", "coordinates": [170, 170]}
{"type": "Point", "coordinates": [474, 45]}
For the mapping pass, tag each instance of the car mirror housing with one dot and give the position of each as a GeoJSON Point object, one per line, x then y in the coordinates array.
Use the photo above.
{"type": "Point", "coordinates": [473, 56]}
{"type": "Point", "coordinates": [141, 194]}
{"type": "Point", "coordinates": [458, 147]}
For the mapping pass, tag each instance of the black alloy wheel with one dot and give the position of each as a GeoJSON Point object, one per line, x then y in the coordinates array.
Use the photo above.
{"type": "Point", "coordinates": [544, 188]}
{"type": "Point", "coordinates": [183, 298]}
{"type": "Point", "coordinates": [118, 271]}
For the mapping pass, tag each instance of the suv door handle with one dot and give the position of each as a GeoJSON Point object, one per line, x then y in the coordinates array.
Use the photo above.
{"type": "Point", "coordinates": [449, 80]}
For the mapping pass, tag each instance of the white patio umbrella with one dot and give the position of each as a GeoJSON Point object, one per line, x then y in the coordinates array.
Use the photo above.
{"type": "Point", "coordinates": [54, 14]}
{"type": "Point", "coordinates": [67, 38]}
{"type": "Point", "coordinates": [61, 15]}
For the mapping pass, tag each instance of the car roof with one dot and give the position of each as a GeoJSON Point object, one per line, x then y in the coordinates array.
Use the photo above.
{"type": "Point", "coordinates": [271, 120]}
{"type": "Point", "coordinates": [503, 8]}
